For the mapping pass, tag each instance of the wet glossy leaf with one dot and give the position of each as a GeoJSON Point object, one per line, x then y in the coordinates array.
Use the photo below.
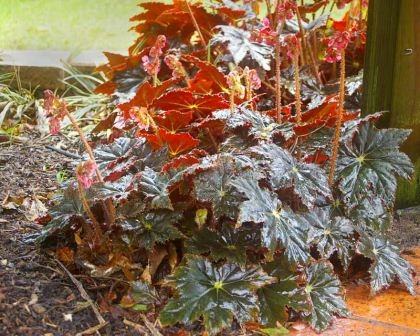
{"type": "Point", "coordinates": [282, 228]}
{"type": "Point", "coordinates": [330, 234]}
{"type": "Point", "coordinates": [155, 186]}
{"type": "Point", "coordinates": [213, 186]}
{"type": "Point", "coordinates": [275, 299]}
{"type": "Point", "coordinates": [308, 181]}
{"type": "Point", "coordinates": [370, 161]}
{"type": "Point", "coordinates": [228, 243]}
{"type": "Point", "coordinates": [119, 189]}
{"type": "Point", "coordinates": [240, 45]}
{"type": "Point", "coordinates": [218, 294]}
{"type": "Point", "coordinates": [372, 212]}
{"type": "Point", "coordinates": [387, 264]}
{"type": "Point", "coordinates": [260, 126]}
{"type": "Point", "coordinates": [117, 158]}
{"type": "Point", "coordinates": [153, 227]}
{"type": "Point", "coordinates": [324, 290]}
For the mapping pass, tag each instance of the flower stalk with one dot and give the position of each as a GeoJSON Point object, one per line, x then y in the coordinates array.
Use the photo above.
{"type": "Point", "coordinates": [337, 133]}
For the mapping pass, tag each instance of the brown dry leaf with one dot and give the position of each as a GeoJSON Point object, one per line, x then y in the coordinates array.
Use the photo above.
{"type": "Point", "coordinates": [156, 258]}
{"type": "Point", "coordinates": [127, 301]}
{"type": "Point", "coordinates": [65, 255]}
{"type": "Point", "coordinates": [173, 256]}
{"type": "Point", "coordinates": [34, 208]}
{"type": "Point", "coordinates": [146, 276]}
{"type": "Point", "coordinates": [12, 202]}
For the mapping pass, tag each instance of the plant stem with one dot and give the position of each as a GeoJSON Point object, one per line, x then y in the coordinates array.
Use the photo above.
{"type": "Point", "coordinates": [109, 209]}
{"type": "Point", "coordinates": [336, 139]}
{"type": "Point", "coordinates": [232, 101]}
{"type": "Point", "coordinates": [307, 47]}
{"type": "Point", "coordinates": [277, 47]}
{"type": "Point", "coordinates": [197, 27]}
{"type": "Point", "coordinates": [297, 89]}
{"type": "Point", "coordinates": [86, 207]}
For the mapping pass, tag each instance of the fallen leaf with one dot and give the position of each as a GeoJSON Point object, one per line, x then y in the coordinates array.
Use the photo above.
{"type": "Point", "coordinates": [34, 299]}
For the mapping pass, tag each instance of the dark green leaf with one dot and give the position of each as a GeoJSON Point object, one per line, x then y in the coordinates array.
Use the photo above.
{"type": "Point", "coordinates": [260, 126]}
{"type": "Point", "coordinates": [68, 207]}
{"type": "Point", "coordinates": [369, 162]}
{"type": "Point", "coordinates": [228, 243]}
{"type": "Point", "coordinates": [285, 293]}
{"type": "Point", "coordinates": [155, 186]}
{"type": "Point", "coordinates": [240, 45]}
{"type": "Point", "coordinates": [282, 228]}
{"type": "Point", "coordinates": [217, 293]}
{"type": "Point", "coordinates": [116, 159]}
{"type": "Point", "coordinates": [143, 293]}
{"type": "Point", "coordinates": [330, 234]}
{"type": "Point", "coordinates": [387, 263]}
{"type": "Point", "coordinates": [119, 189]}
{"type": "Point", "coordinates": [213, 186]}
{"type": "Point", "coordinates": [372, 212]}
{"type": "Point", "coordinates": [324, 291]}
{"type": "Point", "coordinates": [308, 181]}
{"type": "Point", "coordinates": [154, 227]}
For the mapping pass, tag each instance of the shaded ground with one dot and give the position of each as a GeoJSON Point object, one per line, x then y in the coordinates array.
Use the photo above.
{"type": "Point", "coordinates": [38, 298]}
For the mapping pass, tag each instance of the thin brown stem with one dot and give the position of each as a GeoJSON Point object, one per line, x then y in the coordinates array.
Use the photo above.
{"type": "Point", "coordinates": [337, 133]}
{"type": "Point", "coordinates": [297, 89]}
{"type": "Point", "coordinates": [232, 101]}
{"type": "Point", "coordinates": [277, 48]}
{"type": "Point", "coordinates": [307, 47]}
{"type": "Point", "coordinates": [86, 207]}
{"type": "Point", "coordinates": [109, 209]}
{"type": "Point", "coordinates": [197, 27]}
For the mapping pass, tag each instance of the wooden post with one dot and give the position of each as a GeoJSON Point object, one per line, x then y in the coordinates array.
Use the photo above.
{"type": "Point", "coordinates": [392, 77]}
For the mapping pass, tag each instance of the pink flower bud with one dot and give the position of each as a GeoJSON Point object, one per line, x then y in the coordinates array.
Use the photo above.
{"type": "Point", "coordinates": [85, 172]}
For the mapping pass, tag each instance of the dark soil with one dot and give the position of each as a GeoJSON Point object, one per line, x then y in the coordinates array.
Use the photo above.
{"type": "Point", "coordinates": [36, 296]}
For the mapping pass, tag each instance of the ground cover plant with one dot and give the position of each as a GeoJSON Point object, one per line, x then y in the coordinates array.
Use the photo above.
{"type": "Point", "coordinates": [236, 184]}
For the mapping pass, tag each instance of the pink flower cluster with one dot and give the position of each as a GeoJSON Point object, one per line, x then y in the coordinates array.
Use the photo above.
{"type": "Point", "coordinates": [175, 65]}
{"type": "Point", "coordinates": [253, 78]}
{"type": "Point", "coordinates": [336, 44]}
{"type": "Point", "coordinates": [292, 46]}
{"type": "Point", "coordinates": [151, 63]}
{"type": "Point", "coordinates": [287, 10]}
{"type": "Point", "coordinates": [265, 34]}
{"type": "Point", "coordinates": [85, 172]}
{"type": "Point", "coordinates": [55, 109]}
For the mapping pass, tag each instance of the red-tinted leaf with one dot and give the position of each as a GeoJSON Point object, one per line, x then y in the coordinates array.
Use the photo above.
{"type": "Point", "coordinates": [173, 120]}
{"type": "Point", "coordinates": [151, 11]}
{"type": "Point", "coordinates": [209, 79]}
{"type": "Point", "coordinates": [184, 101]}
{"type": "Point", "coordinates": [185, 160]}
{"type": "Point", "coordinates": [181, 142]}
{"type": "Point", "coordinates": [156, 140]}
{"type": "Point", "coordinates": [107, 88]}
{"type": "Point", "coordinates": [105, 124]}
{"type": "Point", "coordinates": [145, 95]}
{"type": "Point", "coordinates": [318, 157]}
